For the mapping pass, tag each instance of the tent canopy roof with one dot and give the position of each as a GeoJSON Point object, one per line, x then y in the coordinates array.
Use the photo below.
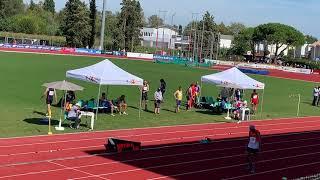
{"type": "Point", "coordinates": [105, 73]}
{"type": "Point", "coordinates": [233, 78]}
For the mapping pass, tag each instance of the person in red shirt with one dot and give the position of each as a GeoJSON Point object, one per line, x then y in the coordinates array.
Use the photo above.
{"type": "Point", "coordinates": [253, 148]}
{"type": "Point", "coordinates": [254, 100]}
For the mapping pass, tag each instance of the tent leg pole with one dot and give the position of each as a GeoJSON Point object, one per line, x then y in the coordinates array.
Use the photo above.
{"type": "Point", "coordinates": [261, 110]}
{"type": "Point", "coordinates": [140, 104]}
{"type": "Point", "coordinates": [98, 99]}
{"type": "Point", "coordinates": [60, 128]}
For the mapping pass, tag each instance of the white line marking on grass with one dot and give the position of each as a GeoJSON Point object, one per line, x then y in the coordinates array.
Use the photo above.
{"type": "Point", "coordinates": [242, 125]}
{"type": "Point", "coordinates": [209, 159]}
{"type": "Point", "coordinates": [165, 156]}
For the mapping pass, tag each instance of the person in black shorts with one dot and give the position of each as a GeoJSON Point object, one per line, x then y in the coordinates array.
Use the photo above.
{"type": "Point", "coordinates": [253, 148]}
{"type": "Point", "coordinates": [163, 86]}
{"type": "Point", "coordinates": [50, 93]}
{"type": "Point", "coordinates": [145, 90]}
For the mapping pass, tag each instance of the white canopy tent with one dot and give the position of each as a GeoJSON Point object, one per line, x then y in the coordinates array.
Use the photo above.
{"type": "Point", "coordinates": [105, 73]}
{"type": "Point", "coordinates": [234, 78]}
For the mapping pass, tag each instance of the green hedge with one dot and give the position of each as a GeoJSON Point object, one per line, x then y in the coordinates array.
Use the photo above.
{"type": "Point", "coordinates": [302, 62]}
{"type": "Point", "coordinates": [53, 39]}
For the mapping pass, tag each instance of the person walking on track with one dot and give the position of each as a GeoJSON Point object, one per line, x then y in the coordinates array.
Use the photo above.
{"type": "Point", "coordinates": [253, 148]}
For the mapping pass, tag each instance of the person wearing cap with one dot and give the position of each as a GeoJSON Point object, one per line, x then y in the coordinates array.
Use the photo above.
{"type": "Point", "coordinates": [157, 101]}
{"type": "Point", "coordinates": [254, 146]}
{"type": "Point", "coordinates": [73, 115]}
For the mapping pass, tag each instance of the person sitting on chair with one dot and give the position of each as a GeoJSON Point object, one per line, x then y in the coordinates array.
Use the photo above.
{"type": "Point", "coordinates": [122, 104]}
{"type": "Point", "coordinates": [106, 104]}
{"type": "Point", "coordinates": [73, 115]}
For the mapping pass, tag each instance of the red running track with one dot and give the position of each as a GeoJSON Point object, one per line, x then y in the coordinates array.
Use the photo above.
{"type": "Point", "coordinates": [282, 74]}
{"type": "Point", "coordinates": [291, 148]}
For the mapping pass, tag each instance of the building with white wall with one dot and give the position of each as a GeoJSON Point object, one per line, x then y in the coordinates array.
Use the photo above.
{"type": "Point", "coordinates": [158, 37]}
{"type": "Point", "coordinates": [226, 41]}
{"type": "Point", "coordinates": [315, 51]}
{"type": "Point", "coordinates": [302, 51]}
{"type": "Point", "coordinates": [272, 49]}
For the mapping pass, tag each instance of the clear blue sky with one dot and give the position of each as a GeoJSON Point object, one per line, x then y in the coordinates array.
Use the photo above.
{"type": "Point", "coordinates": [302, 14]}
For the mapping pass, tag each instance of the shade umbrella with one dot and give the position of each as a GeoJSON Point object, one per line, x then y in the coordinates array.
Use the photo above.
{"type": "Point", "coordinates": [64, 86]}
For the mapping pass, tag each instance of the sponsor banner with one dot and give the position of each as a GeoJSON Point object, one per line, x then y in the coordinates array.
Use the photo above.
{"type": "Point", "coordinates": [139, 55]}
{"type": "Point", "coordinates": [163, 58]}
{"type": "Point", "coordinates": [68, 50]}
{"type": "Point", "coordinates": [87, 51]}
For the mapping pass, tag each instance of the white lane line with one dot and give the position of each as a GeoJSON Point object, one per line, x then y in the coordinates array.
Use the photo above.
{"type": "Point", "coordinates": [274, 170]}
{"type": "Point", "coordinates": [151, 148]}
{"type": "Point", "coordinates": [207, 159]}
{"type": "Point", "coordinates": [165, 156]}
{"type": "Point", "coordinates": [66, 167]}
{"type": "Point", "coordinates": [232, 166]}
{"type": "Point", "coordinates": [157, 140]}
{"type": "Point", "coordinates": [243, 125]}
{"type": "Point", "coordinates": [159, 127]}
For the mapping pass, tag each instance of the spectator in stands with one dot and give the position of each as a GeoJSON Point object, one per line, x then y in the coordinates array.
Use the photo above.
{"type": "Point", "coordinates": [254, 100]}
{"type": "Point", "coordinates": [163, 86]}
{"type": "Point", "coordinates": [157, 101]}
{"type": "Point", "coordinates": [315, 96]}
{"type": "Point", "coordinates": [178, 96]}
{"type": "Point", "coordinates": [253, 148]}
{"type": "Point", "coordinates": [73, 115]}
{"type": "Point", "coordinates": [106, 104]}
{"type": "Point", "coordinates": [145, 90]}
{"type": "Point", "coordinates": [122, 104]}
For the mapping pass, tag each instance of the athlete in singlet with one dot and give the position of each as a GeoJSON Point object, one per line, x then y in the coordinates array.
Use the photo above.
{"type": "Point", "coordinates": [254, 100]}
{"type": "Point", "coordinates": [145, 90]}
{"type": "Point", "coordinates": [254, 146]}
{"type": "Point", "coordinates": [50, 93]}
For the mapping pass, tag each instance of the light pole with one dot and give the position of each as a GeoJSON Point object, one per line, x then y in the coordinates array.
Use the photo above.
{"type": "Point", "coordinates": [171, 33]}
{"type": "Point", "coordinates": [103, 24]}
{"type": "Point", "coordinates": [164, 22]}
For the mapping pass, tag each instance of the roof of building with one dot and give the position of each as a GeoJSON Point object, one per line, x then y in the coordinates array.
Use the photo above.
{"type": "Point", "coordinates": [228, 37]}
{"type": "Point", "coordinates": [316, 43]}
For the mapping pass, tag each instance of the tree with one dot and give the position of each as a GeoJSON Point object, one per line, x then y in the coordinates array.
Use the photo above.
{"type": "Point", "coordinates": [310, 39]}
{"type": "Point", "coordinates": [32, 5]}
{"type": "Point", "coordinates": [155, 21]}
{"type": "Point", "coordinates": [235, 28]}
{"type": "Point", "coordinates": [180, 30]}
{"type": "Point", "coordinates": [49, 6]}
{"type": "Point", "coordinates": [244, 41]}
{"type": "Point", "coordinates": [130, 22]}
{"type": "Point", "coordinates": [223, 29]}
{"type": "Point", "coordinates": [280, 35]}
{"type": "Point", "coordinates": [93, 17]}
{"type": "Point", "coordinates": [76, 24]}
{"type": "Point", "coordinates": [208, 36]}
{"type": "Point", "coordinates": [10, 8]}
